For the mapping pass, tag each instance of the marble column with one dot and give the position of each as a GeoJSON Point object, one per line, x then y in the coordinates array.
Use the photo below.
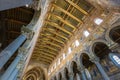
{"type": "Point", "coordinates": [13, 75]}
{"type": "Point", "coordinates": [71, 76]}
{"type": "Point", "coordinates": [100, 68]}
{"type": "Point", "coordinates": [84, 77]}
{"type": "Point", "coordinates": [15, 78]}
{"type": "Point", "coordinates": [11, 68]}
{"type": "Point", "coordinates": [10, 50]}
{"type": "Point", "coordinates": [82, 71]}
{"type": "Point", "coordinates": [78, 76]}
{"type": "Point", "coordinates": [63, 76]}
{"type": "Point", "coordinates": [24, 50]}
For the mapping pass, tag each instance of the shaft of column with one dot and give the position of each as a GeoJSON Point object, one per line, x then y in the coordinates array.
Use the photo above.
{"type": "Point", "coordinates": [15, 78]}
{"type": "Point", "coordinates": [78, 76]}
{"type": "Point", "coordinates": [13, 75]}
{"type": "Point", "coordinates": [103, 73]}
{"type": "Point", "coordinates": [100, 68]}
{"type": "Point", "coordinates": [82, 71]}
{"type": "Point", "coordinates": [71, 76]}
{"type": "Point", "coordinates": [25, 54]}
{"type": "Point", "coordinates": [83, 75]}
{"type": "Point", "coordinates": [10, 50]}
{"type": "Point", "coordinates": [63, 76]}
{"type": "Point", "coordinates": [11, 68]}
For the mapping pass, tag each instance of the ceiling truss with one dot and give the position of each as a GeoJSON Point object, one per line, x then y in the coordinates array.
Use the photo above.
{"type": "Point", "coordinates": [62, 21]}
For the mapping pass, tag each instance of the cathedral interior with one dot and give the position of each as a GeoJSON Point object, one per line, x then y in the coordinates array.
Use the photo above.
{"type": "Point", "coordinates": [59, 39]}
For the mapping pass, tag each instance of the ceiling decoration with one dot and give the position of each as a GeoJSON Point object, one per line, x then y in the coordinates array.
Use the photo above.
{"type": "Point", "coordinates": [62, 20]}
{"type": "Point", "coordinates": [35, 73]}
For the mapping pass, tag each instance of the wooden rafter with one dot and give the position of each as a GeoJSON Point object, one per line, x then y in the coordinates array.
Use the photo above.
{"type": "Point", "coordinates": [77, 7]}
{"type": "Point", "coordinates": [68, 13]}
{"type": "Point", "coordinates": [64, 21]}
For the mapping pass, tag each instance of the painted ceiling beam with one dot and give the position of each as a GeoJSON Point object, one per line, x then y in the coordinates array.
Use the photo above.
{"type": "Point", "coordinates": [77, 7]}
{"type": "Point", "coordinates": [41, 60]}
{"type": "Point", "coordinates": [42, 53]}
{"type": "Point", "coordinates": [43, 56]}
{"type": "Point", "coordinates": [64, 21]}
{"type": "Point", "coordinates": [56, 34]}
{"type": "Point", "coordinates": [47, 52]}
{"type": "Point", "coordinates": [68, 13]}
{"type": "Point", "coordinates": [53, 24]}
{"type": "Point", "coordinates": [48, 47]}
{"type": "Point", "coordinates": [47, 39]}
{"type": "Point", "coordinates": [51, 43]}
{"type": "Point", "coordinates": [51, 37]}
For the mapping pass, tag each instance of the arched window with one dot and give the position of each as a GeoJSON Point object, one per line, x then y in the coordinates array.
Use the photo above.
{"type": "Point", "coordinates": [116, 58]}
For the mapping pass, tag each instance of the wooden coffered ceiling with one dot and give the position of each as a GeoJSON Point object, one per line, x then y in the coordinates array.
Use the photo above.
{"type": "Point", "coordinates": [62, 20]}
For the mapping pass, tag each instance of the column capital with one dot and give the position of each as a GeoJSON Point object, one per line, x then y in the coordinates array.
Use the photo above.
{"type": "Point", "coordinates": [82, 68]}
{"type": "Point", "coordinates": [64, 78]}
{"type": "Point", "coordinates": [94, 59]}
{"type": "Point", "coordinates": [71, 74]}
{"type": "Point", "coordinates": [27, 32]}
{"type": "Point", "coordinates": [63, 75]}
{"type": "Point", "coordinates": [19, 65]}
{"type": "Point", "coordinates": [22, 50]}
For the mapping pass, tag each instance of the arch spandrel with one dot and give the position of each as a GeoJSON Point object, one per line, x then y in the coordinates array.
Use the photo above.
{"type": "Point", "coordinates": [107, 36]}
{"type": "Point", "coordinates": [93, 44]}
{"type": "Point", "coordinates": [80, 57]}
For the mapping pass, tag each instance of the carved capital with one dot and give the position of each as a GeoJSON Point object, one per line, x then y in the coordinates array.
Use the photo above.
{"type": "Point", "coordinates": [64, 78]}
{"type": "Point", "coordinates": [82, 69]}
{"type": "Point", "coordinates": [22, 50]}
{"type": "Point", "coordinates": [36, 5]}
{"type": "Point", "coordinates": [27, 32]}
{"type": "Point", "coordinates": [71, 74]}
{"type": "Point", "coordinates": [94, 59]}
{"type": "Point", "coordinates": [19, 65]}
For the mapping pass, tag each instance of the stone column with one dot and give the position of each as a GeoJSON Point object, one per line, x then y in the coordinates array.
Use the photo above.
{"type": "Point", "coordinates": [81, 69]}
{"type": "Point", "coordinates": [63, 76]}
{"type": "Point", "coordinates": [71, 76]}
{"type": "Point", "coordinates": [10, 50]}
{"type": "Point", "coordinates": [22, 62]}
{"type": "Point", "coordinates": [11, 68]}
{"type": "Point", "coordinates": [13, 75]}
{"type": "Point", "coordinates": [24, 49]}
{"type": "Point", "coordinates": [100, 68]}
{"type": "Point", "coordinates": [15, 78]}
{"type": "Point", "coordinates": [84, 77]}
{"type": "Point", "coordinates": [78, 76]}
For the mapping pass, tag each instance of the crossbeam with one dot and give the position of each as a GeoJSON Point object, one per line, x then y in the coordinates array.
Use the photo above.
{"type": "Point", "coordinates": [62, 20]}
{"type": "Point", "coordinates": [51, 43]}
{"type": "Point", "coordinates": [55, 33]}
{"type": "Point", "coordinates": [43, 60]}
{"type": "Point", "coordinates": [58, 27]}
{"type": "Point", "coordinates": [77, 7]}
{"type": "Point", "coordinates": [35, 53]}
{"type": "Point", "coordinates": [50, 37]}
{"type": "Point", "coordinates": [69, 14]}
{"type": "Point", "coordinates": [45, 51]}
{"type": "Point", "coordinates": [46, 46]}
